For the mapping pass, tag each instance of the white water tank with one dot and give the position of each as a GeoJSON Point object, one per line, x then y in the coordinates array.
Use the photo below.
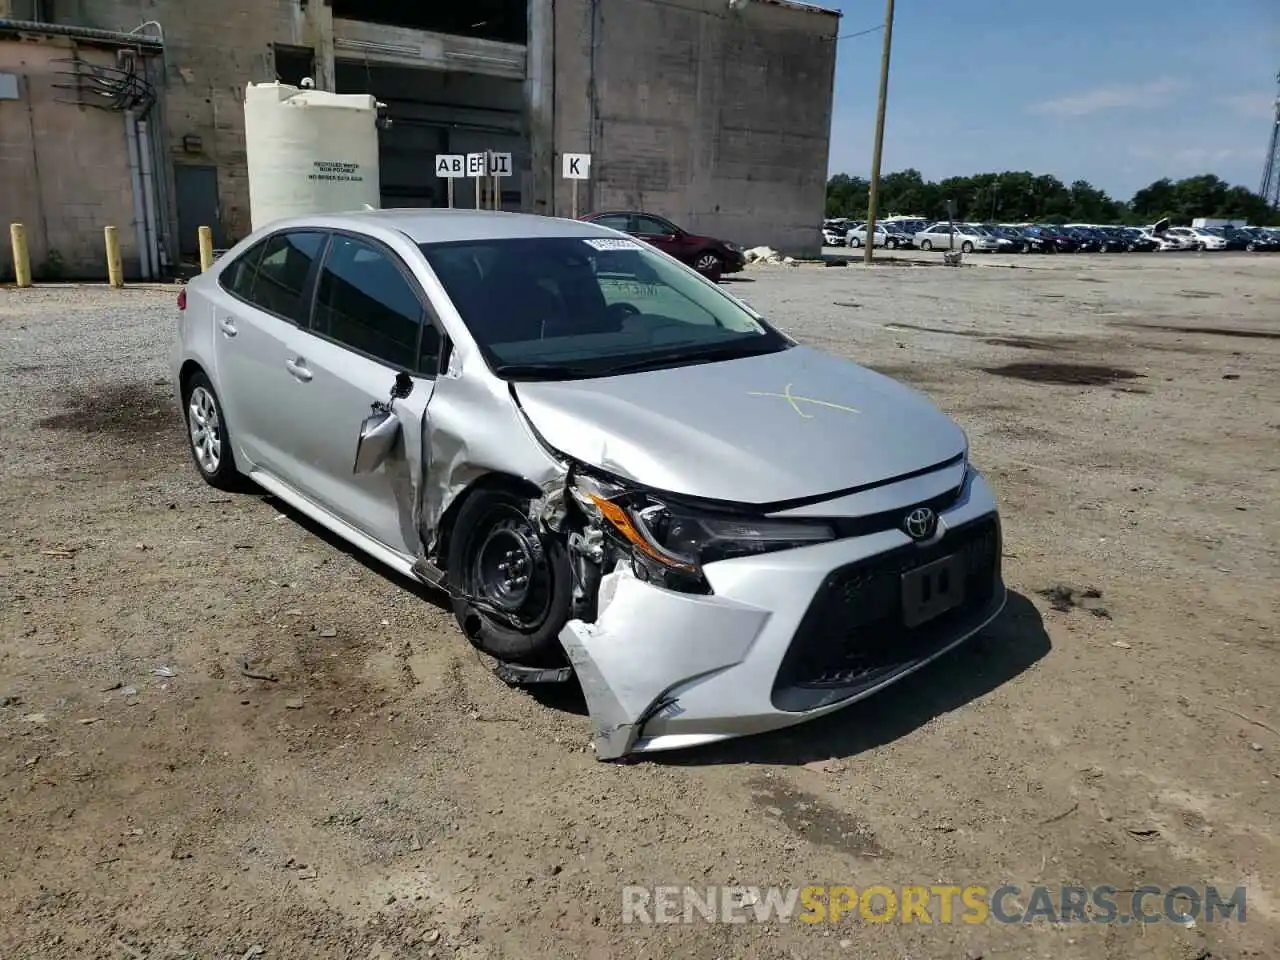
{"type": "Point", "coordinates": [309, 151]}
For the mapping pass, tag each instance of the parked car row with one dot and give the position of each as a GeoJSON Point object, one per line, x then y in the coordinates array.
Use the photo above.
{"type": "Point", "coordinates": [917, 233]}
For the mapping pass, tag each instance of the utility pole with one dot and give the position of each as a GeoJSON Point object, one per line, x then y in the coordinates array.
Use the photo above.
{"type": "Point", "coordinates": [1270, 189]}
{"type": "Point", "coordinates": [873, 196]}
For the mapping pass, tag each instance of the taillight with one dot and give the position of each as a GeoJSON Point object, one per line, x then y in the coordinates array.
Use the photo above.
{"type": "Point", "coordinates": [182, 299]}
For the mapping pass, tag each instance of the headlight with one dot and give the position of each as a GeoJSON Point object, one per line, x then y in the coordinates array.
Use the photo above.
{"type": "Point", "coordinates": [685, 540]}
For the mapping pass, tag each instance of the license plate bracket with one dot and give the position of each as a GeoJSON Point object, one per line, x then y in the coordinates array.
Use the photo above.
{"type": "Point", "coordinates": [931, 590]}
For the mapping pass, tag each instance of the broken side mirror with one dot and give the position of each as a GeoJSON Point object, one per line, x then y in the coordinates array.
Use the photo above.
{"type": "Point", "coordinates": [403, 386]}
{"type": "Point", "coordinates": [378, 434]}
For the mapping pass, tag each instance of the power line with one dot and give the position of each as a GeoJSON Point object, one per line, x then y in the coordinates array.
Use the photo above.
{"type": "Point", "coordinates": [860, 33]}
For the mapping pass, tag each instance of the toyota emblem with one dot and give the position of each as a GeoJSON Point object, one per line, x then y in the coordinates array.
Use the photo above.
{"type": "Point", "coordinates": [920, 523]}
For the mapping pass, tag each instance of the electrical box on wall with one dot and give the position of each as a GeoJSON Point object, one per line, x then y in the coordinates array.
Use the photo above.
{"type": "Point", "coordinates": [8, 86]}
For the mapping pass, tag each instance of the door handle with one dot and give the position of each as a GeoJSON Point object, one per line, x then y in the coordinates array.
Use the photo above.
{"type": "Point", "coordinates": [226, 326]}
{"type": "Point", "coordinates": [298, 368]}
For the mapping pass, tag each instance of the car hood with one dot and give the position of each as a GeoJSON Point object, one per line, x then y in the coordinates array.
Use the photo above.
{"type": "Point", "coordinates": [758, 430]}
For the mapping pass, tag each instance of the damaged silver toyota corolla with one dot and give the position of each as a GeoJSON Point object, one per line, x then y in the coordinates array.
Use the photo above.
{"type": "Point", "coordinates": [616, 470]}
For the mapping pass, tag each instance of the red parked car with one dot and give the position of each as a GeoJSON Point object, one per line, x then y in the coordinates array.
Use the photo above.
{"type": "Point", "coordinates": [710, 257]}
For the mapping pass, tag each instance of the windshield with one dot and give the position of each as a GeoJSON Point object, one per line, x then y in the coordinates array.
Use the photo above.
{"type": "Point", "coordinates": [567, 307]}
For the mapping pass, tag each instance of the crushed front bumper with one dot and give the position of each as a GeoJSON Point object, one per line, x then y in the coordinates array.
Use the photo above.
{"type": "Point", "coordinates": [783, 638]}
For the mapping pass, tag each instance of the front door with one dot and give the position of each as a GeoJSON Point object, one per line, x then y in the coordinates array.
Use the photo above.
{"type": "Point", "coordinates": [369, 323]}
{"type": "Point", "coordinates": [197, 196]}
{"type": "Point", "coordinates": [661, 234]}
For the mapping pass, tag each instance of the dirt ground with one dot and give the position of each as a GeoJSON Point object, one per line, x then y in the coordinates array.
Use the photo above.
{"type": "Point", "coordinates": [224, 736]}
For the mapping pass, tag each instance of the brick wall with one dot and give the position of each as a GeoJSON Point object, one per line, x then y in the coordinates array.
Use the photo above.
{"type": "Point", "coordinates": [212, 50]}
{"type": "Point", "coordinates": [64, 169]}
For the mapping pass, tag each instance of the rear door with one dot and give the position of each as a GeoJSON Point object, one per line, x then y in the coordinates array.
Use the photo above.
{"type": "Point", "coordinates": [262, 297]}
{"type": "Point", "coordinates": [370, 322]}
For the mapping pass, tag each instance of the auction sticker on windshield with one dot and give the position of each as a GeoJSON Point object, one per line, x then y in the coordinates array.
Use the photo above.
{"type": "Point", "coordinates": [608, 243]}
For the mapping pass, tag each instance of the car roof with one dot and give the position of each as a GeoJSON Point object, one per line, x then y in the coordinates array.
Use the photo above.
{"type": "Point", "coordinates": [436, 225]}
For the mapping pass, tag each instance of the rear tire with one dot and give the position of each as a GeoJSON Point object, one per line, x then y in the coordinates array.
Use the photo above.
{"type": "Point", "coordinates": [926, 244]}
{"type": "Point", "coordinates": [497, 556]}
{"type": "Point", "coordinates": [208, 439]}
{"type": "Point", "coordinates": [966, 247]}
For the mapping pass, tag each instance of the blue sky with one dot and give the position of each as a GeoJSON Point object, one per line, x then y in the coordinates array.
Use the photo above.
{"type": "Point", "coordinates": [1116, 92]}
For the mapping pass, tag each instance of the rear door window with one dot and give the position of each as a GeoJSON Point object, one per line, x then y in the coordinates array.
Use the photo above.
{"type": "Point", "coordinates": [281, 279]}
{"type": "Point", "coordinates": [238, 277]}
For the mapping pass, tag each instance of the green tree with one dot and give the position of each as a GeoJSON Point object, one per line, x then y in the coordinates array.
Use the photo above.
{"type": "Point", "coordinates": [1019, 195]}
{"type": "Point", "coordinates": [847, 196]}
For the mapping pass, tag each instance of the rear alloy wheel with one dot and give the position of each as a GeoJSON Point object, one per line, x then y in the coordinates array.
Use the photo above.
{"type": "Point", "coordinates": [207, 436]}
{"type": "Point", "coordinates": [855, 243]}
{"type": "Point", "coordinates": [709, 265]}
{"type": "Point", "coordinates": [520, 580]}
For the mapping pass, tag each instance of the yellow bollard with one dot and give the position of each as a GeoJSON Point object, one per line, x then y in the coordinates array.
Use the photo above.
{"type": "Point", "coordinates": [206, 249]}
{"type": "Point", "coordinates": [21, 256]}
{"type": "Point", "coordinates": [115, 270]}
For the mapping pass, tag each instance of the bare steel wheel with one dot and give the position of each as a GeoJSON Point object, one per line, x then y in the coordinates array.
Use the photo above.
{"type": "Point", "coordinates": [514, 583]}
{"type": "Point", "coordinates": [207, 436]}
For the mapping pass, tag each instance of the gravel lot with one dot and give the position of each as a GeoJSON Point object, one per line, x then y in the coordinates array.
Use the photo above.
{"type": "Point", "coordinates": [385, 796]}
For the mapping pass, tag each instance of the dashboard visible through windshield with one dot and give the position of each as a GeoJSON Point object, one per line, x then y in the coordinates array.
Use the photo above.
{"type": "Point", "coordinates": [577, 307]}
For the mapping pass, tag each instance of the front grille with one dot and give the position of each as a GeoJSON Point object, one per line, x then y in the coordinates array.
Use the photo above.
{"type": "Point", "coordinates": [853, 635]}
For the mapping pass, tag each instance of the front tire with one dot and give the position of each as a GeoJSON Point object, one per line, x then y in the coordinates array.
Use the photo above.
{"type": "Point", "coordinates": [926, 245]}
{"type": "Point", "coordinates": [498, 557]}
{"type": "Point", "coordinates": [710, 266]}
{"type": "Point", "coordinates": [966, 247]}
{"type": "Point", "coordinates": [207, 435]}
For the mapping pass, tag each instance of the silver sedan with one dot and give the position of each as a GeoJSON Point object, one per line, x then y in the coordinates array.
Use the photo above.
{"type": "Point", "coordinates": [966, 239]}
{"type": "Point", "coordinates": [616, 470]}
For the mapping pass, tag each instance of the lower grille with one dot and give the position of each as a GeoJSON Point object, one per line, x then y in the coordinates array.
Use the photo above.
{"type": "Point", "coordinates": [853, 635]}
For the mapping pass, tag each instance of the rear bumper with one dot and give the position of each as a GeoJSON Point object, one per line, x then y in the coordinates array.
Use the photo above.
{"type": "Point", "coordinates": [784, 638]}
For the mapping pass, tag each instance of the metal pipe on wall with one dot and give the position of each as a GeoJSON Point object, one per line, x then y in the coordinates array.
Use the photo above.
{"type": "Point", "coordinates": [135, 180]}
{"type": "Point", "coordinates": [148, 189]}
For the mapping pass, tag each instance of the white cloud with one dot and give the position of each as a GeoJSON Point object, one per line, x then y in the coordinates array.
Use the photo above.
{"type": "Point", "coordinates": [1199, 158]}
{"type": "Point", "coordinates": [1250, 104]}
{"type": "Point", "coordinates": [1151, 94]}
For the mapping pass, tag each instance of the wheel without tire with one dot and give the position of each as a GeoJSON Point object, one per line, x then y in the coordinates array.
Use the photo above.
{"type": "Point", "coordinates": [497, 557]}
{"type": "Point", "coordinates": [207, 436]}
{"type": "Point", "coordinates": [709, 265]}
{"type": "Point", "coordinates": [966, 247]}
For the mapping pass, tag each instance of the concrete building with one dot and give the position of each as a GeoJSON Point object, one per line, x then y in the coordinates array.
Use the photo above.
{"type": "Point", "coordinates": [714, 116]}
